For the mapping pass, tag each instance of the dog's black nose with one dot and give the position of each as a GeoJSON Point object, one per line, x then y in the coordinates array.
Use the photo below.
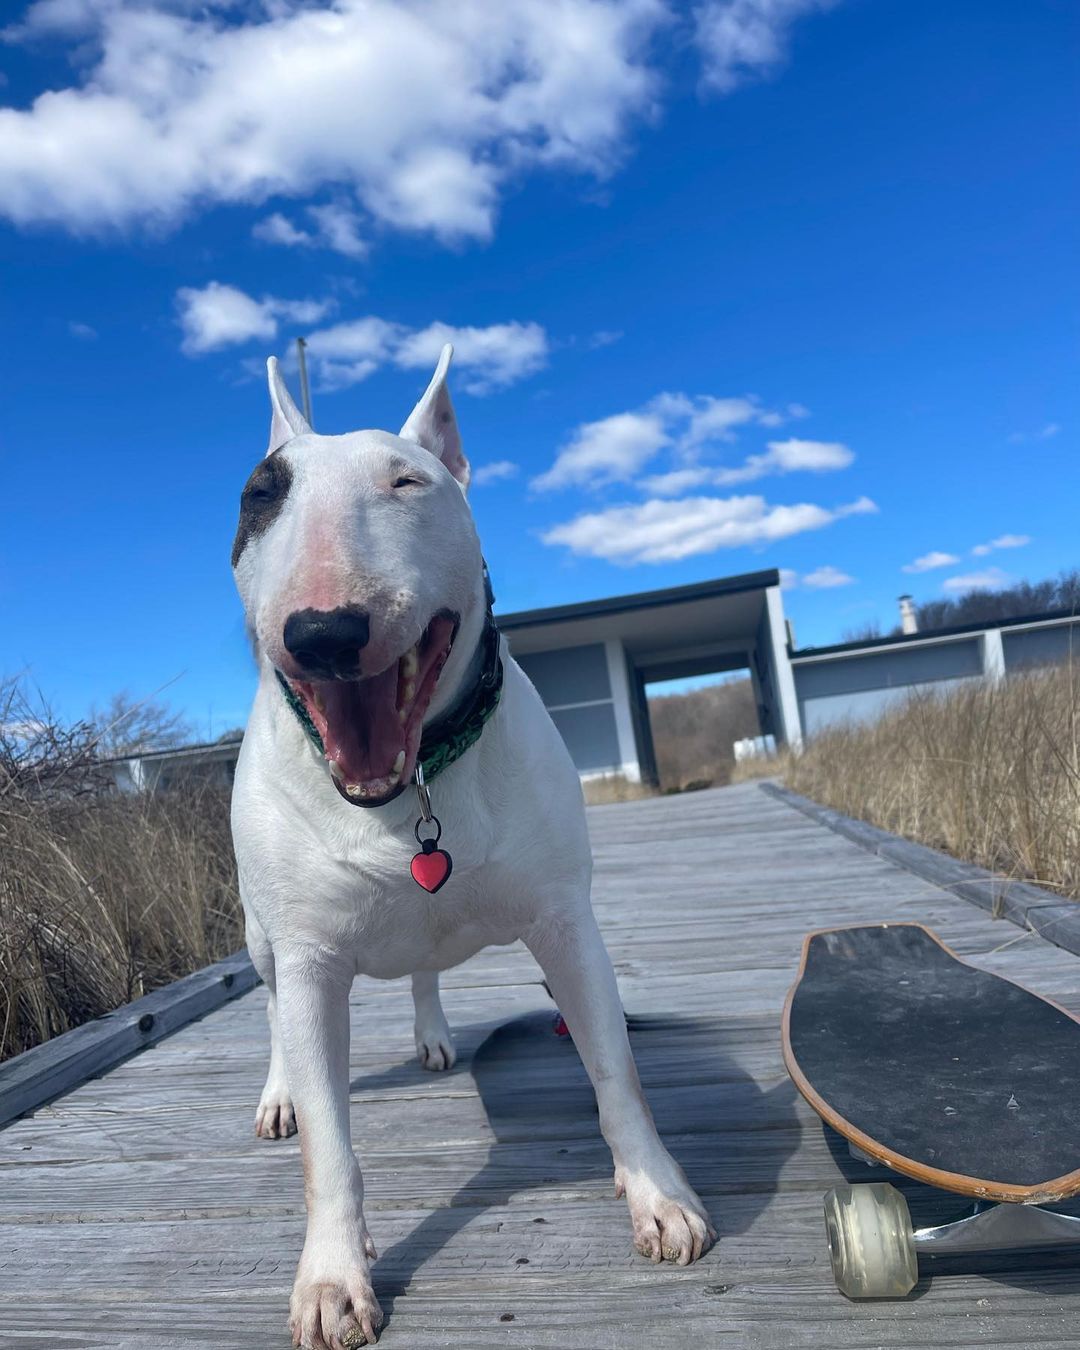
{"type": "Point", "coordinates": [327, 642]}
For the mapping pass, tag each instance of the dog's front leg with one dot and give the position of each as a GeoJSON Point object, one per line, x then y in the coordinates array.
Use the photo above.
{"type": "Point", "coordinates": [434, 1043]}
{"type": "Point", "coordinates": [333, 1305]}
{"type": "Point", "coordinates": [670, 1222]}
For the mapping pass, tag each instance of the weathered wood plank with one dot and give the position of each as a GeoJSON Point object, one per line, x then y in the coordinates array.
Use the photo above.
{"type": "Point", "coordinates": [47, 1070]}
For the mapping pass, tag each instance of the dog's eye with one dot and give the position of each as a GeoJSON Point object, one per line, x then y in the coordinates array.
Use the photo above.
{"type": "Point", "coordinates": [406, 480]}
{"type": "Point", "coordinates": [265, 484]}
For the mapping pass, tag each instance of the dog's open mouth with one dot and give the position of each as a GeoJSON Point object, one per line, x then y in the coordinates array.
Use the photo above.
{"type": "Point", "coordinates": [371, 727]}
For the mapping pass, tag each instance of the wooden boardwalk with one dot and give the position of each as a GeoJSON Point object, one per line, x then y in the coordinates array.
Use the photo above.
{"type": "Point", "coordinates": [139, 1210]}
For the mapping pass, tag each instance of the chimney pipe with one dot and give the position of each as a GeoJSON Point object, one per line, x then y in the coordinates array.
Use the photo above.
{"type": "Point", "coordinates": [909, 623]}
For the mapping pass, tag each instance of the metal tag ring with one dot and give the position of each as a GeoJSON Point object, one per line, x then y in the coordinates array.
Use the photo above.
{"type": "Point", "coordinates": [431, 820]}
{"type": "Point", "coordinates": [422, 793]}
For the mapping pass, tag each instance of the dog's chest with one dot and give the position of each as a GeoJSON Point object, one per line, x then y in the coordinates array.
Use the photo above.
{"type": "Point", "coordinates": [394, 927]}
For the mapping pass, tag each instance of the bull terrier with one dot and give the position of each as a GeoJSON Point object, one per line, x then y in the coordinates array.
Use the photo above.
{"type": "Point", "coordinates": [382, 674]}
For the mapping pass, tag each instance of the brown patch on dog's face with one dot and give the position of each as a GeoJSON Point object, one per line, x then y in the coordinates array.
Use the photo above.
{"type": "Point", "coordinates": [262, 499]}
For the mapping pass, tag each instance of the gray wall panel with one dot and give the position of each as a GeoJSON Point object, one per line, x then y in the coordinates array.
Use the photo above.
{"type": "Point", "coordinates": [590, 736]}
{"type": "Point", "coordinates": [864, 706]}
{"type": "Point", "coordinates": [1041, 646]}
{"type": "Point", "coordinates": [889, 669]}
{"type": "Point", "coordinates": [569, 674]}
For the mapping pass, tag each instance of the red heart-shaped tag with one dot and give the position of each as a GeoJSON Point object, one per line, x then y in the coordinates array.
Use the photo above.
{"type": "Point", "coordinates": [431, 868]}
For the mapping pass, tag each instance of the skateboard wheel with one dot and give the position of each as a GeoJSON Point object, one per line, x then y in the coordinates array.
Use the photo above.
{"type": "Point", "coordinates": [871, 1241]}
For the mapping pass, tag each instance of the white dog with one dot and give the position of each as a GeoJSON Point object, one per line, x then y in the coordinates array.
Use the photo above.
{"type": "Point", "coordinates": [361, 575]}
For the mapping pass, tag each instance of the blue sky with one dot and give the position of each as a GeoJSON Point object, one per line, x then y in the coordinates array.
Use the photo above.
{"type": "Point", "coordinates": [737, 284]}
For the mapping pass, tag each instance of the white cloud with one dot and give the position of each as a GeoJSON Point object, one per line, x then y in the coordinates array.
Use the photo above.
{"type": "Point", "coordinates": [790, 456]}
{"type": "Point", "coordinates": [743, 39]}
{"type": "Point", "coordinates": [1002, 541]}
{"type": "Point", "coordinates": [336, 227]}
{"type": "Point", "coordinates": [608, 451]}
{"type": "Point", "coordinates": [496, 472]}
{"type": "Point", "coordinates": [604, 337]}
{"type": "Point", "coordinates": [616, 448]}
{"type": "Point", "coordinates": [714, 419]}
{"type": "Point", "coordinates": [339, 229]}
{"type": "Point", "coordinates": [495, 356]}
{"type": "Point", "coordinates": [345, 353]}
{"type": "Point", "coordinates": [222, 316]}
{"type": "Point", "coordinates": [349, 352]}
{"type": "Point", "coordinates": [789, 579]}
{"type": "Point", "coordinates": [930, 560]}
{"type": "Point", "coordinates": [1045, 433]}
{"type": "Point", "coordinates": [86, 18]}
{"type": "Point", "coordinates": [278, 229]}
{"type": "Point", "coordinates": [82, 330]}
{"type": "Point", "coordinates": [667, 531]}
{"type": "Point", "coordinates": [420, 111]}
{"type": "Point", "coordinates": [992, 579]}
{"type": "Point", "coordinates": [827, 578]}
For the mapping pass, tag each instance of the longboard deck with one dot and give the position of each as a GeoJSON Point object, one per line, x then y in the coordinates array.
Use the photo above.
{"type": "Point", "coordinates": [941, 1071]}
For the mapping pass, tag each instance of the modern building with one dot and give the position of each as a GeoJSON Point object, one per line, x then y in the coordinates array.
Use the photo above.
{"type": "Point", "coordinates": [591, 663]}
{"type": "Point", "coordinates": [858, 681]}
{"type": "Point", "coordinates": [160, 770]}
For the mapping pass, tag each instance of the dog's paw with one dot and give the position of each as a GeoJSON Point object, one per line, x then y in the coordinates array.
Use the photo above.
{"type": "Point", "coordinates": [275, 1118]}
{"type": "Point", "coordinates": [435, 1047]}
{"type": "Point", "coordinates": [670, 1222]}
{"type": "Point", "coordinates": [333, 1307]}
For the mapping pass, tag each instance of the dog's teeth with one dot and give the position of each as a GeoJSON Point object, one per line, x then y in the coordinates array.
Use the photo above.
{"type": "Point", "coordinates": [399, 763]}
{"type": "Point", "coordinates": [403, 715]}
{"type": "Point", "coordinates": [355, 789]}
{"type": "Point", "coordinates": [410, 664]}
{"type": "Point", "coordinates": [409, 692]}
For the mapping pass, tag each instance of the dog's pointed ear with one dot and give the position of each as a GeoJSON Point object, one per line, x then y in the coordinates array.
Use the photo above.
{"type": "Point", "coordinates": [286, 420]}
{"type": "Point", "coordinates": [433, 425]}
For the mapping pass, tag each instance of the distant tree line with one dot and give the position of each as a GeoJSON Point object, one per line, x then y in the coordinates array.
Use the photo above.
{"type": "Point", "coordinates": [131, 726]}
{"type": "Point", "coordinates": [1012, 602]}
{"type": "Point", "coordinates": [982, 606]}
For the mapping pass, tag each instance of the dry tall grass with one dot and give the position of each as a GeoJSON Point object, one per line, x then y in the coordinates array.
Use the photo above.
{"type": "Point", "coordinates": [103, 896]}
{"type": "Point", "coordinates": [987, 772]}
{"type": "Point", "coordinates": [613, 787]}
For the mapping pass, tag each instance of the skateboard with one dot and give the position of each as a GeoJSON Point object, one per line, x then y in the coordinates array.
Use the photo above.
{"type": "Point", "coordinates": [945, 1074]}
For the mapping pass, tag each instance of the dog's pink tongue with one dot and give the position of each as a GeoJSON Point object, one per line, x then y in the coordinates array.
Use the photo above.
{"type": "Point", "coordinates": [363, 732]}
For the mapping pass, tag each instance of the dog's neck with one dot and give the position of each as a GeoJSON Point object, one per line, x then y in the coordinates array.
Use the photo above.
{"type": "Point", "coordinates": [452, 732]}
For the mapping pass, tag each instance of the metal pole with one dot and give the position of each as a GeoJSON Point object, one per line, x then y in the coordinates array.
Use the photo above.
{"type": "Point", "coordinates": [305, 391]}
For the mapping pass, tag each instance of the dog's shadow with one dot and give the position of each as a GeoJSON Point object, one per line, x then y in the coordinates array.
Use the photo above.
{"type": "Point", "coordinates": [541, 1109]}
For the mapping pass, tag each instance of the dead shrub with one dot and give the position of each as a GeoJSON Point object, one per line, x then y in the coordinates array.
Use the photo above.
{"type": "Point", "coordinates": [694, 734]}
{"type": "Point", "coordinates": [104, 896]}
{"type": "Point", "coordinates": [987, 772]}
{"type": "Point", "coordinates": [613, 787]}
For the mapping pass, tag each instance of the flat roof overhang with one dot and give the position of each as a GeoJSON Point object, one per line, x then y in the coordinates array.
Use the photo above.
{"type": "Point", "coordinates": [669, 634]}
{"type": "Point", "coordinates": [933, 636]}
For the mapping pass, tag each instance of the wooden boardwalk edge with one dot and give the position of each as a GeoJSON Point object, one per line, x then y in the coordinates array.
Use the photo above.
{"type": "Point", "coordinates": [46, 1071]}
{"type": "Point", "coordinates": [1030, 907]}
